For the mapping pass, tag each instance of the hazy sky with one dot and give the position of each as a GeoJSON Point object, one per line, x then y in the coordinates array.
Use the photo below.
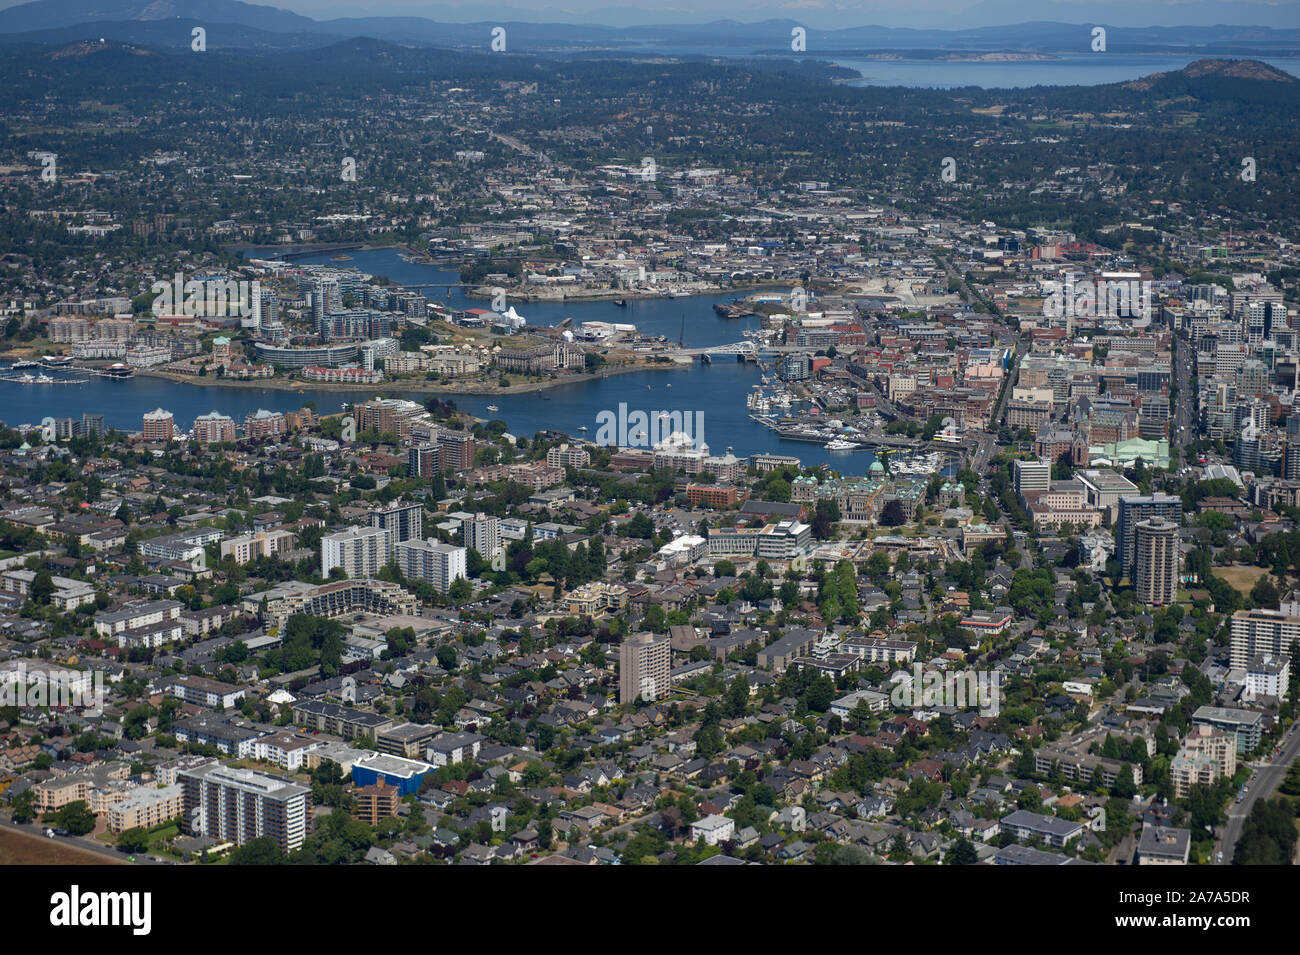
{"type": "Point", "coordinates": [954, 14]}
{"type": "Point", "coordinates": [942, 14]}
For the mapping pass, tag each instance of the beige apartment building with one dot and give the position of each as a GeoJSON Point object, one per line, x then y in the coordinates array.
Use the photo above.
{"type": "Point", "coordinates": [643, 664]}
{"type": "Point", "coordinates": [146, 808]}
{"type": "Point", "coordinates": [1206, 755]}
{"type": "Point", "coordinates": [249, 547]}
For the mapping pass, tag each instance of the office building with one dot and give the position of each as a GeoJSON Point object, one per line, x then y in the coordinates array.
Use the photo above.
{"type": "Point", "coordinates": [1132, 511]}
{"type": "Point", "coordinates": [1157, 562]}
{"type": "Point", "coordinates": [158, 426]}
{"type": "Point", "coordinates": [360, 551]}
{"type": "Point", "coordinates": [1032, 476]}
{"type": "Point", "coordinates": [1103, 488]}
{"type": "Point", "coordinates": [404, 521]}
{"type": "Point", "coordinates": [643, 664]}
{"type": "Point", "coordinates": [428, 560]}
{"type": "Point", "coordinates": [1291, 460]}
{"type": "Point", "coordinates": [238, 805]}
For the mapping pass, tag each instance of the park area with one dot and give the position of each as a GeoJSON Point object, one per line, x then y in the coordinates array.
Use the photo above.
{"type": "Point", "coordinates": [1241, 577]}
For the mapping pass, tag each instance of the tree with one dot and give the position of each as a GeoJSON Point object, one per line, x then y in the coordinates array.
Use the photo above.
{"type": "Point", "coordinates": [1269, 835]}
{"type": "Point", "coordinates": [738, 696]}
{"type": "Point", "coordinates": [1264, 593]}
{"type": "Point", "coordinates": [133, 840]}
{"type": "Point", "coordinates": [892, 515]}
{"type": "Point", "coordinates": [1291, 784]}
{"type": "Point", "coordinates": [961, 853]}
{"type": "Point", "coordinates": [75, 817]}
{"type": "Point", "coordinates": [1124, 787]}
{"type": "Point", "coordinates": [42, 587]}
{"type": "Point", "coordinates": [260, 851]}
{"type": "Point", "coordinates": [23, 807]}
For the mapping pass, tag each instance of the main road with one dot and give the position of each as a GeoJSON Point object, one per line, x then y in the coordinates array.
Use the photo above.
{"type": "Point", "coordinates": [1261, 785]}
{"type": "Point", "coordinates": [84, 844]}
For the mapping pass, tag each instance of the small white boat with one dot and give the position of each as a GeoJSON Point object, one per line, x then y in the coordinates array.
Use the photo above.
{"type": "Point", "coordinates": [493, 408]}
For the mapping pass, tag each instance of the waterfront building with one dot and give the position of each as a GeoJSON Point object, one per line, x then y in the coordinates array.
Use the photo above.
{"type": "Point", "coordinates": [158, 426]}
{"type": "Point", "coordinates": [214, 428]}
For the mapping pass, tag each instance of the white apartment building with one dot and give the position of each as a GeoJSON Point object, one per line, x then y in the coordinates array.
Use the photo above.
{"type": "Point", "coordinates": [436, 563]}
{"type": "Point", "coordinates": [237, 805]}
{"type": "Point", "coordinates": [1268, 675]}
{"type": "Point", "coordinates": [1256, 632]}
{"type": "Point", "coordinates": [360, 551]}
{"type": "Point", "coordinates": [568, 457]}
{"type": "Point", "coordinates": [111, 623]}
{"type": "Point", "coordinates": [483, 534]}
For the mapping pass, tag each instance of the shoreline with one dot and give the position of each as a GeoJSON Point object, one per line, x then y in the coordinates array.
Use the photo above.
{"type": "Point", "coordinates": [397, 385]}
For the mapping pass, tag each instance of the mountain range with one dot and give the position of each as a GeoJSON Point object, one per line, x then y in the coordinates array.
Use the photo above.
{"type": "Point", "coordinates": [234, 24]}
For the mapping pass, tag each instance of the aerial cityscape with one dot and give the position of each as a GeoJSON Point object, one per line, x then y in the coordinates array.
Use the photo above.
{"type": "Point", "coordinates": [697, 442]}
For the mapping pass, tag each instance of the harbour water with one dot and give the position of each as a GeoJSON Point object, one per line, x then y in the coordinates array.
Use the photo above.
{"type": "Point", "coordinates": [719, 390]}
{"type": "Point", "coordinates": [1085, 69]}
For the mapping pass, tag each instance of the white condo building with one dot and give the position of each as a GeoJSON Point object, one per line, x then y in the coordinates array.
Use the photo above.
{"type": "Point", "coordinates": [483, 534]}
{"type": "Point", "coordinates": [360, 551]}
{"type": "Point", "coordinates": [433, 562]}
